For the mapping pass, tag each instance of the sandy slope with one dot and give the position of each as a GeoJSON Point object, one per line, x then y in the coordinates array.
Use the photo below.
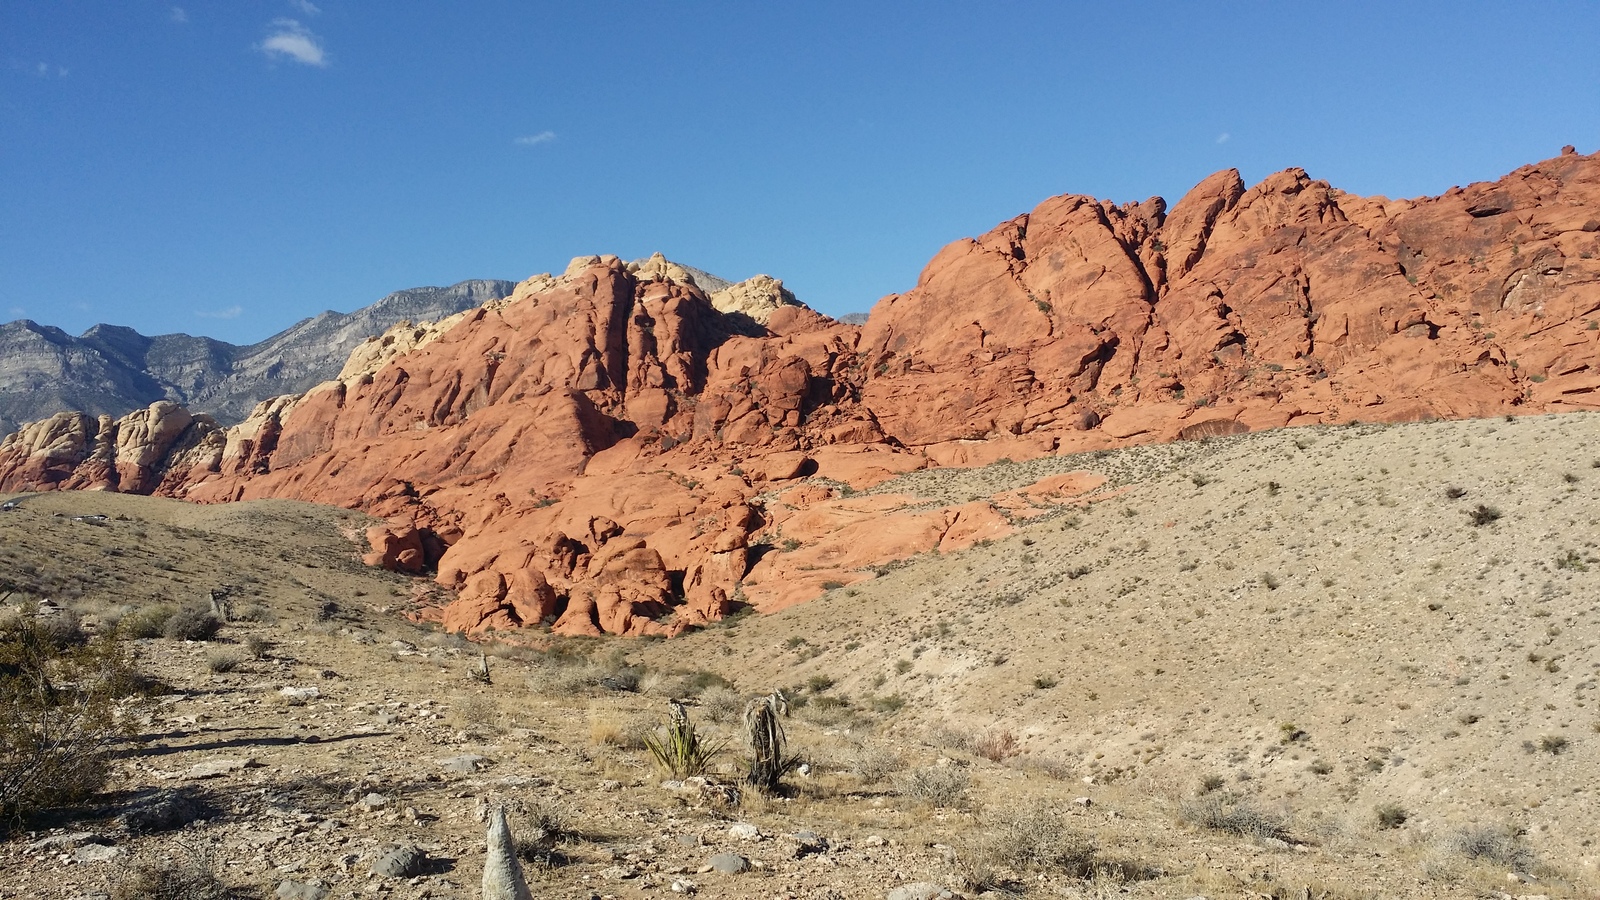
{"type": "Point", "coordinates": [1304, 615]}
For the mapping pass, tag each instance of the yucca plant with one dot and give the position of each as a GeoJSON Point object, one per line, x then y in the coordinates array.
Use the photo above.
{"type": "Point", "coordinates": [764, 733]}
{"type": "Point", "coordinates": [681, 751]}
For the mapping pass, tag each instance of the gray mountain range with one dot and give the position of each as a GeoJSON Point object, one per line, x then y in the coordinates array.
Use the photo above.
{"type": "Point", "coordinates": [111, 369]}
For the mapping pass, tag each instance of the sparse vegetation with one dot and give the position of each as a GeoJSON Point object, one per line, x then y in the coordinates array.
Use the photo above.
{"type": "Point", "coordinates": [939, 786]}
{"type": "Point", "coordinates": [1219, 812]}
{"type": "Point", "coordinates": [58, 716]}
{"type": "Point", "coordinates": [1490, 843]}
{"type": "Point", "coordinates": [190, 874]}
{"type": "Point", "coordinates": [679, 749]}
{"type": "Point", "coordinates": [1391, 815]}
{"type": "Point", "coordinates": [146, 622]}
{"type": "Point", "coordinates": [1553, 744]}
{"type": "Point", "coordinates": [192, 622]}
{"type": "Point", "coordinates": [223, 661]}
{"type": "Point", "coordinates": [1481, 515]}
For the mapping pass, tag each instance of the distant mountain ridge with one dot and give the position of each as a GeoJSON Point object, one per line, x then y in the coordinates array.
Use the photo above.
{"type": "Point", "coordinates": [112, 369]}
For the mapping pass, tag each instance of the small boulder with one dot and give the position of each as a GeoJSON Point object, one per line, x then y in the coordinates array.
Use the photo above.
{"type": "Point", "coordinates": [301, 890]}
{"type": "Point", "coordinates": [729, 863]}
{"type": "Point", "coordinates": [399, 861]}
{"type": "Point", "coordinates": [93, 853]}
{"type": "Point", "coordinates": [466, 763]}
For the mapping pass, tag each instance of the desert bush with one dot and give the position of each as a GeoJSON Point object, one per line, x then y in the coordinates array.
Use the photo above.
{"type": "Point", "coordinates": [257, 646]}
{"type": "Point", "coordinates": [1221, 813]}
{"type": "Point", "coordinates": [1211, 783]}
{"type": "Point", "coordinates": [1035, 838]}
{"type": "Point", "coordinates": [610, 729]}
{"type": "Point", "coordinates": [1553, 743]}
{"type": "Point", "coordinates": [996, 746]}
{"type": "Point", "coordinates": [192, 622]}
{"type": "Point", "coordinates": [1483, 515]}
{"type": "Point", "coordinates": [58, 717]}
{"type": "Point", "coordinates": [476, 712]}
{"type": "Point", "coordinates": [721, 704]}
{"type": "Point", "coordinates": [871, 765]}
{"type": "Point", "coordinates": [935, 785]}
{"type": "Point", "coordinates": [1496, 844]}
{"type": "Point", "coordinates": [1391, 815]}
{"type": "Point", "coordinates": [61, 629]}
{"type": "Point", "coordinates": [221, 661]}
{"type": "Point", "coordinates": [146, 621]}
{"type": "Point", "coordinates": [678, 748]}
{"type": "Point", "coordinates": [189, 875]}
{"type": "Point", "coordinates": [947, 738]}
{"type": "Point", "coordinates": [538, 830]}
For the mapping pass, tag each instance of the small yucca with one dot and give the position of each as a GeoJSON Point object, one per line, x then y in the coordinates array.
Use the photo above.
{"type": "Point", "coordinates": [682, 751]}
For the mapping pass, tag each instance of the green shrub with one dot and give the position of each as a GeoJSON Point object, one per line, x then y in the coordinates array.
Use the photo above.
{"type": "Point", "coordinates": [194, 622]}
{"type": "Point", "coordinates": [58, 717]}
{"type": "Point", "coordinates": [679, 749]}
{"type": "Point", "coordinates": [146, 621]}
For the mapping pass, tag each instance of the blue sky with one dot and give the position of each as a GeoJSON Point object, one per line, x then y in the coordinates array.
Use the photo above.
{"type": "Point", "coordinates": [227, 167]}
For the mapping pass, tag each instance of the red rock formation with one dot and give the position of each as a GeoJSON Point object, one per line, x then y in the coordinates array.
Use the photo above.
{"type": "Point", "coordinates": [605, 452]}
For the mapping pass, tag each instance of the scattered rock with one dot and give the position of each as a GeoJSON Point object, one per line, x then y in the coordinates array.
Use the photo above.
{"type": "Point", "coordinates": [729, 863]}
{"type": "Point", "coordinates": [301, 890]}
{"type": "Point", "coordinates": [466, 763]}
{"type": "Point", "coordinates": [93, 853]}
{"type": "Point", "coordinates": [214, 768]}
{"type": "Point", "coordinates": [744, 831]}
{"type": "Point", "coordinates": [163, 811]}
{"type": "Point", "coordinates": [399, 861]}
{"type": "Point", "coordinates": [920, 890]}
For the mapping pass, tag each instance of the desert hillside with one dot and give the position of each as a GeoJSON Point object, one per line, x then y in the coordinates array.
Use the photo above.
{"type": "Point", "coordinates": [1358, 661]}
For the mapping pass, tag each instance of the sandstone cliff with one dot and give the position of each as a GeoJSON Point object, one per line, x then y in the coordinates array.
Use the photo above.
{"type": "Point", "coordinates": [606, 451]}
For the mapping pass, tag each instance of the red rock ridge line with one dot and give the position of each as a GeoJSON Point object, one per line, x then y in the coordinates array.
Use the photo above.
{"type": "Point", "coordinates": [607, 453]}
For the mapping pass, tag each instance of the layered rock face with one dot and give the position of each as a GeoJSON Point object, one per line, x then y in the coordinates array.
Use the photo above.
{"type": "Point", "coordinates": [608, 451]}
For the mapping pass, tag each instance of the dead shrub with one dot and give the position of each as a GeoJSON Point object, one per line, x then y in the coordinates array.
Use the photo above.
{"type": "Point", "coordinates": [1036, 838]}
{"type": "Point", "coordinates": [871, 765]}
{"type": "Point", "coordinates": [1490, 843]}
{"type": "Point", "coordinates": [944, 786]}
{"type": "Point", "coordinates": [996, 746]}
{"type": "Point", "coordinates": [190, 874]}
{"type": "Point", "coordinates": [1222, 813]}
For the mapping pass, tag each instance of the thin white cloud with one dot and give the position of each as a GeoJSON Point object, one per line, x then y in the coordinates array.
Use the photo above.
{"type": "Point", "coordinates": [289, 39]}
{"type": "Point", "coordinates": [533, 140]}
{"type": "Point", "coordinates": [18, 311]}
{"type": "Point", "coordinates": [232, 312]}
{"type": "Point", "coordinates": [306, 7]}
{"type": "Point", "coordinates": [46, 70]}
{"type": "Point", "coordinates": [1223, 137]}
{"type": "Point", "coordinates": [178, 15]}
